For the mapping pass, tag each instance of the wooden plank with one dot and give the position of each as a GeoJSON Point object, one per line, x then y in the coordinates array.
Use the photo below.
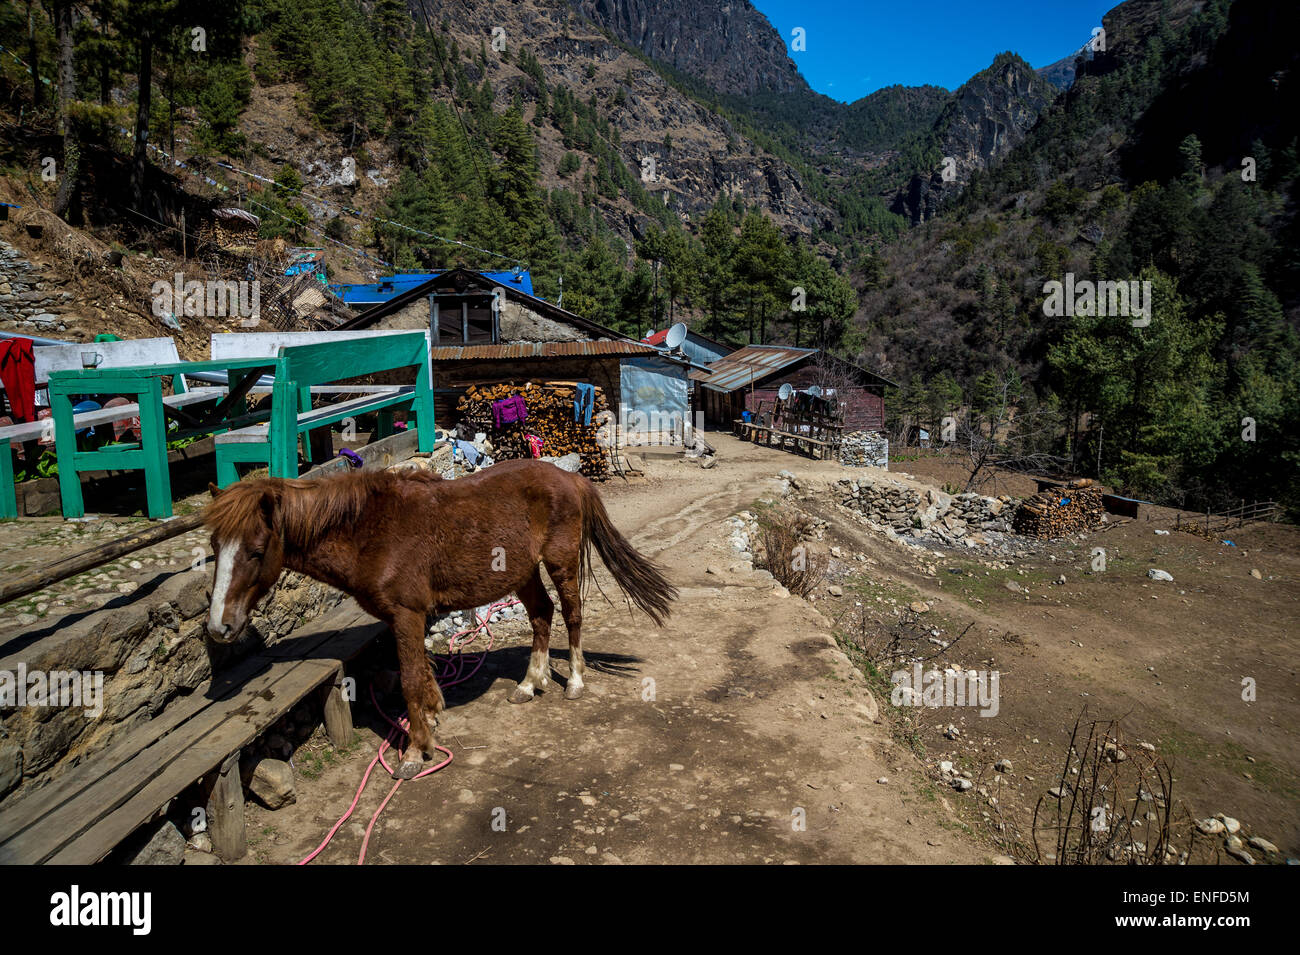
{"type": "Point", "coordinates": [97, 841]}
{"type": "Point", "coordinates": [332, 361]}
{"type": "Point", "coordinates": [29, 809]}
{"type": "Point", "coordinates": [277, 685]}
{"type": "Point", "coordinates": [354, 406]}
{"type": "Point", "coordinates": [318, 417]}
{"type": "Point", "coordinates": [8, 493]}
{"type": "Point", "coordinates": [227, 683]}
{"type": "Point", "coordinates": [31, 430]}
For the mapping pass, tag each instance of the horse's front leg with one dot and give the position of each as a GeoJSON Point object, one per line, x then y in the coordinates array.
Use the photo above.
{"type": "Point", "coordinates": [423, 697]}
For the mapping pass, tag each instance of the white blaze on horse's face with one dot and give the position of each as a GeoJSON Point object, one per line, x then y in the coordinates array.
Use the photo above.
{"type": "Point", "coordinates": [227, 554]}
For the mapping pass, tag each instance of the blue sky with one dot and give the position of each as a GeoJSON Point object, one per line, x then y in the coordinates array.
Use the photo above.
{"type": "Point", "coordinates": [858, 46]}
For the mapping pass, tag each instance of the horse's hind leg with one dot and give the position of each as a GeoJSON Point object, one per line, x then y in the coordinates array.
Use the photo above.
{"type": "Point", "coordinates": [423, 697]}
{"type": "Point", "coordinates": [540, 608]}
{"type": "Point", "coordinates": [566, 582]}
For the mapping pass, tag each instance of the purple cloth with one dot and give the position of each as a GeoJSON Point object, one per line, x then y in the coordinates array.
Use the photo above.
{"type": "Point", "coordinates": [509, 410]}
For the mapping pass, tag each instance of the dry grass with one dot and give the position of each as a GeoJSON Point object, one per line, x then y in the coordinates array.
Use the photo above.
{"type": "Point", "coordinates": [789, 556]}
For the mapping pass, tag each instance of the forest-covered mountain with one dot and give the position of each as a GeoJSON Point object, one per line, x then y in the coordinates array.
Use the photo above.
{"type": "Point", "coordinates": [1172, 159]}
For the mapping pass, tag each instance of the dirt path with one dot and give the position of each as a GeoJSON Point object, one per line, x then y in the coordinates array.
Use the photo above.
{"type": "Point", "coordinates": [708, 741]}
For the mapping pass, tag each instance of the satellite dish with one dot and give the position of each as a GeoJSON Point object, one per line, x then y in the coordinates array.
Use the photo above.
{"type": "Point", "coordinates": [676, 335]}
{"type": "Point", "coordinates": [815, 390]}
{"type": "Point", "coordinates": [786, 391]}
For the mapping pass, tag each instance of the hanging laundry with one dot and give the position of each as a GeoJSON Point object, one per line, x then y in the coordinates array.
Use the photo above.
{"type": "Point", "coordinates": [509, 411]}
{"type": "Point", "coordinates": [583, 402]}
{"type": "Point", "coordinates": [18, 374]}
{"type": "Point", "coordinates": [534, 445]}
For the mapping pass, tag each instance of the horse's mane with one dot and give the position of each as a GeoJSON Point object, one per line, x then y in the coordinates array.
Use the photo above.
{"type": "Point", "coordinates": [310, 510]}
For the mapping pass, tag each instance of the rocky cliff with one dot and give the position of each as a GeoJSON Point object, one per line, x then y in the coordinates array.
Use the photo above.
{"type": "Point", "coordinates": [697, 153]}
{"type": "Point", "coordinates": [730, 46]}
{"type": "Point", "coordinates": [987, 117]}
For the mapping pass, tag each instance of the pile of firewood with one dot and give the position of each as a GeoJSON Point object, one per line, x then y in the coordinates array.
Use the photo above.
{"type": "Point", "coordinates": [550, 417]}
{"type": "Point", "coordinates": [1059, 511]}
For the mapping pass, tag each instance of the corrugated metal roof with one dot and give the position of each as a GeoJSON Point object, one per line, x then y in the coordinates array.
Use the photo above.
{"type": "Point", "coordinates": [751, 363]}
{"type": "Point", "coordinates": [247, 217]}
{"type": "Point", "coordinates": [538, 350]}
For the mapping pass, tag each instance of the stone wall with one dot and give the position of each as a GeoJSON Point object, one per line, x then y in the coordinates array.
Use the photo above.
{"type": "Point", "coordinates": [29, 298]}
{"type": "Point", "coordinates": [964, 519]}
{"type": "Point", "coordinates": [151, 648]}
{"type": "Point", "coordinates": [865, 449]}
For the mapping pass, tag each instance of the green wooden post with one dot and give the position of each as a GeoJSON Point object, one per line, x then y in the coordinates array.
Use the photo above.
{"type": "Point", "coordinates": [65, 448]}
{"type": "Point", "coordinates": [284, 427]}
{"type": "Point", "coordinates": [304, 405]}
{"type": "Point", "coordinates": [8, 492]}
{"type": "Point", "coordinates": [423, 405]}
{"type": "Point", "coordinates": [227, 473]}
{"type": "Point", "coordinates": [153, 440]}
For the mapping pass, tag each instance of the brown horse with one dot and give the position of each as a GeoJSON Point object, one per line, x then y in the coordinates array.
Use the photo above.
{"type": "Point", "coordinates": [404, 543]}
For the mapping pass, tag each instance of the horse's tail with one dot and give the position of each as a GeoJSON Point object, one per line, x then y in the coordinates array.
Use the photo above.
{"type": "Point", "coordinates": [641, 579]}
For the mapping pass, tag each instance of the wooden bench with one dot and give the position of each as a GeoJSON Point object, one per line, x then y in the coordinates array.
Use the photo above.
{"type": "Point", "coordinates": [302, 369]}
{"type": "Point", "coordinates": [59, 358]}
{"type": "Point", "coordinates": [764, 433]}
{"type": "Point", "coordinates": [82, 816]}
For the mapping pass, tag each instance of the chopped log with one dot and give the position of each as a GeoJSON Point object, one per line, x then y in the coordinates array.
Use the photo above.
{"type": "Point", "coordinates": [550, 417]}
{"type": "Point", "coordinates": [1060, 511]}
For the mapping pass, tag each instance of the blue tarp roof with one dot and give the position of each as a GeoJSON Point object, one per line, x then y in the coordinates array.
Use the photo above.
{"type": "Point", "coordinates": [394, 285]}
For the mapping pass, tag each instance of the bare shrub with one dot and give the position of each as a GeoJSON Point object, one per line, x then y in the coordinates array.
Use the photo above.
{"type": "Point", "coordinates": [1115, 805]}
{"type": "Point", "coordinates": [787, 554]}
{"type": "Point", "coordinates": [901, 642]}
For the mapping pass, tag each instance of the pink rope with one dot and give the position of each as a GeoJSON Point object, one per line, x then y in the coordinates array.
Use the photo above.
{"type": "Point", "coordinates": [453, 666]}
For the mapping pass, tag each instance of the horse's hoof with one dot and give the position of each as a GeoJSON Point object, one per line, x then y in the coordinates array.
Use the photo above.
{"type": "Point", "coordinates": [520, 695]}
{"type": "Point", "coordinates": [572, 692]}
{"type": "Point", "coordinates": [409, 769]}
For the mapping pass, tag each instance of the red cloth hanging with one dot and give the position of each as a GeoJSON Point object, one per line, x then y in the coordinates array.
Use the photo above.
{"type": "Point", "coordinates": [18, 373]}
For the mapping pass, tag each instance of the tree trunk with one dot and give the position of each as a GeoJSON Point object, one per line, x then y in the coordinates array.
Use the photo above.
{"type": "Point", "coordinates": [144, 101]}
{"type": "Point", "coordinates": [67, 193]}
{"type": "Point", "coordinates": [33, 56]}
{"type": "Point", "coordinates": [103, 64]}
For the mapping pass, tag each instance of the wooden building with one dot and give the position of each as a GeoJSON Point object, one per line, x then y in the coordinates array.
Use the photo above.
{"type": "Point", "coordinates": [489, 327]}
{"type": "Point", "coordinates": [753, 375]}
{"type": "Point", "coordinates": [461, 307]}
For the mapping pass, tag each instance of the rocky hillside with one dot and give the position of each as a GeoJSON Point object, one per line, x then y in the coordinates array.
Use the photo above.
{"type": "Point", "coordinates": [697, 153]}
{"type": "Point", "coordinates": [730, 46]}
{"type": "Point", "coordinates": [738, 61]}
{"type": "Point", "coordinates": [984, 120]}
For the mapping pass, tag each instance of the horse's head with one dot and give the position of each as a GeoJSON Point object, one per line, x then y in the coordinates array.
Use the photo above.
{"type": "Point", "coordinates": [246, 538]}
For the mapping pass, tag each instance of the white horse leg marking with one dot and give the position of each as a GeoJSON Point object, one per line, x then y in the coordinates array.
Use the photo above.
{"type": "Point", "coordinates": [577, 666]}
{"type": "Point", "coordinates": [538, 675]}
{"type": "Point", "coordinates": [220, 589]}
